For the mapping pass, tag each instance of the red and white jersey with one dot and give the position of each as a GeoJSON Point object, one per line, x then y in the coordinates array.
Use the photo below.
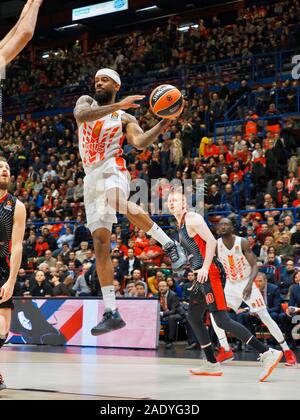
{"type": "Point", "coordinates": [234, 261]}
{"type": "Point", "coordinates": [101, 140]}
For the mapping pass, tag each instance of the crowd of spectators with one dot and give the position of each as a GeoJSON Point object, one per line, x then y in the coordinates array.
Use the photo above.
{"type": "Point", "coordinates": [257, 168]}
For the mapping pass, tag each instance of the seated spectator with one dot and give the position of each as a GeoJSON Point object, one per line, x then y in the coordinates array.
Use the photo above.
{"type": "Point", "coordinates": [214, 198]}
{"type": "Point", "coordinates": [118, 274]}
{"type": "Point", "coordinates": [41, 288]}
{"type": "Point", "coordinates": [295, 238]}
{"type": "Point", "coordinates": [287, 321]}
{"type": "Point", "coordinates": [48, 259]}
{"type": "Point", "coordinates": [66, 238]}
{"type": "Point", "coordinates": [129, 264]}
{"type": "Point", "coordinates": [49, 239]}
{"type": "Point", "coordinates": [81, 287]}
{"type": "Point", "coordinates": [130, 290]}
{"type": "Point", "coordinates": [174, 286]}
{"type": "Point", "coordinates": [141, 290]}
{"type": "Point", "coordinates": [264, 249]}
{"type": "Point", "coordinates": [118, 288]}
{"type": "Point", "coordinates": [72, 258]}
{"type": "Point", "coordinates": [141, 241]}
{"type": "Point", "coordinates": [153, 281]}
{"type": "Point", "coordinates": [22, 277]}
{"type": "Point", "coordinates": [187, 285]}
{"type": "Point", "coordinates": [41, 247]}
{"type": "Point", "coordinates": [170, 311]}
{"type": "Point", "coordinates": [59, 289]}
{"type": "Point", "coordinates": [81, 254]}
{"type": "Point", "coordinates": [90, 257]}
{"type": "Point", "coordinates": [152, 254]}
{"type": "Point", "coordinates": [286, 279]}
{"type": "Point", "coordinates": [285, 250]}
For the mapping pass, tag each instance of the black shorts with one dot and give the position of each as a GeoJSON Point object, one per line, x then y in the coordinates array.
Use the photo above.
{"type": "Point", "coordinates": [4, 275]}
{"type": "Point", "coordinates": [212, 291]}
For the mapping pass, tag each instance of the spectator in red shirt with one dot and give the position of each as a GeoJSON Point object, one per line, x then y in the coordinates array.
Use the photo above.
{"type": "Point", "coordinates": [142, 241]}
{"type": "Point", "coordinates": [153, 253]}
{"type": "Point", "coordinates": [296, 203]}
{"type": "Point", "coordinates": [236, 171]}
{"type": "Point", "coordinates": [211, 150]}
{"type": "Point", "coordinates": [41, 247]}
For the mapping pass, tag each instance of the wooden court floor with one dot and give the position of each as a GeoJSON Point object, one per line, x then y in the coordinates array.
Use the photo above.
{"type": "Point", "coordinates": [32, 374]}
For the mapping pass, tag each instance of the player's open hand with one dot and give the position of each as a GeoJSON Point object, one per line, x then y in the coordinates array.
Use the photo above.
{"type": "Point", "coordinates": [130, 102]}
{"type": "Point", "coordinates": [247, 291]}
{"type": "Point", "coordinates": [6, 292]}
{"type": "Point", "coordinates": [202, 275]}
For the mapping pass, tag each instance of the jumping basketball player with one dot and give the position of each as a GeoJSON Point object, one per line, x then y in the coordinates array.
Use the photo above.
{"type": "Point", "coordinates": [102, 122]}
{"type": "Point", "coordinates": [207, 291]}
{"type": "Point", "coordinates": [21, 33]}
{"type": "Point", "coordinates": [241, 269]}
{"type": "Point", "coordinates": [12, 228]}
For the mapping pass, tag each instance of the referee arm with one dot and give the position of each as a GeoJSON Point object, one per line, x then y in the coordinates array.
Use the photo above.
{"type": "Point", "coordinates": [7, 290]}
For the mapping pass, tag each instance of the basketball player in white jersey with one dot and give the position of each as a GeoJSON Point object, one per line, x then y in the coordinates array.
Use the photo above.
{"type": "Point", "coordinates": [241, 269]}
{"type": "Point", "coordinates": [103, 124]}
{"type": "Point", "coordinates": [12, 228]}
{"type": "Point", "coordinates": [19, 36]}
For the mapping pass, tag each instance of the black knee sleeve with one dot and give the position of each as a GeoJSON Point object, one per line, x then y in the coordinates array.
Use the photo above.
{"type": "Point", "coordinates": [224, 322]}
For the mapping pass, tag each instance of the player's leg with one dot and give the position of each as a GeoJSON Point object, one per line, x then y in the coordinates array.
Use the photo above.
{"type": "Point", "coordinates": [5, 320]}
{"type": "Point", "coordinates": [233, 301]}
{"type": "Point", "coordinates": [257, 304]}
{"type": "Point", "coordinates": [111, 319]}
{"type": "Point", "coordinates": [196, 311]}
{"type": "Point", "coordinates": [136, 215]}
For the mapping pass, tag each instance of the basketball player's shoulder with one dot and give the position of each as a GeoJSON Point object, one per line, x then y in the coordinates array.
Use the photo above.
{"type": "Point", "coordinates": [193, 218]}
{"type": "Point", "coordinates": [128, 119]}
{"type": "Point", "coordinates": [83, 101]}
{"type": "Point", "coordinates": [20, 208]}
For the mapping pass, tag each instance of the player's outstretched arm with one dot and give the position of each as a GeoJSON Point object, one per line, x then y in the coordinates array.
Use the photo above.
{"type": "Point", "coordinates": [196, 225]}
{"type": "Point", "coordinates": [84, 112]}
{"type": "Point", "coordinates": [21, 33]}
{"type": "Point", "coordinates": [137, 137]}
{"type": "Point", "coordinates": [7, 289]}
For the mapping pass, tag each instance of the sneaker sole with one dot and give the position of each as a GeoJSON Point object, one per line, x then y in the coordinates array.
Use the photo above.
{"type": "Point", "coordinates": [272, 368]}
{"type": "Point", "coordinates": [97, 333]}
{"type": "Point", "coordinates": [193, 372]}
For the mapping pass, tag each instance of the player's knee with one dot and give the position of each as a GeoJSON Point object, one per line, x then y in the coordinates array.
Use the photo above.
{"type": "Point", "coordinates": [101, 245]}
{"type": "Point", "coordinates": [222, 320]}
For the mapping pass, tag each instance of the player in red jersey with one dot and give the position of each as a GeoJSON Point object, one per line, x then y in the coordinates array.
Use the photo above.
{"type": "Point", "coordinates": [208, 290]}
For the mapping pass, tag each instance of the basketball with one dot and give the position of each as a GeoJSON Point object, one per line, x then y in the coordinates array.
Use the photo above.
{"type": "Point", "coordinates": [166, 101]}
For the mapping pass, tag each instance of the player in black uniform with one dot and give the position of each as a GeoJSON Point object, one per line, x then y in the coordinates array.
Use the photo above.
{"type": "Point", "coordinates": [208, 290]}
{"type": "Point", "coordinates": [12, 228]}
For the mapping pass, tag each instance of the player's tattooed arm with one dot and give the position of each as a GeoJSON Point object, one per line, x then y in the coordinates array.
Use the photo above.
{"type": "Point", "coordinates": [84, 112]}
{"type": "Point", "coordinates": [137, 137]}
{"type": "Point", "coordinates": [252, 260]}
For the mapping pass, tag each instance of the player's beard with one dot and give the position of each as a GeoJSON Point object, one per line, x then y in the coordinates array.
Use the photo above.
{"type": "Point", "coordinates": [4, 185]}
{"type": "Point", "coordinates": [104, 98]}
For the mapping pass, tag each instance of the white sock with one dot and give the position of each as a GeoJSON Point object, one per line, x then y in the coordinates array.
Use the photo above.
{"type": "Point", "coordinates": [221, 334]}
{"type": "Point", "coordinates": [284, 346]}
{"type": "Point", "coordinates": [159, 235]}
{"type": "Point", "coordinates": [109, 297]}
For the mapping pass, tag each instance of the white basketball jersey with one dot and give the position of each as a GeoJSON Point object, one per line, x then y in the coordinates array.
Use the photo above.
{"type": "Point", "coordinates": [101, 139]}
{"type": "Point", "coordinates": [234, 261]}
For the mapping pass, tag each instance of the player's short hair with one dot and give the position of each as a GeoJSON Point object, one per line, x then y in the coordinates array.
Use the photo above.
{"type": "Point", "coordinates": [3, 159]}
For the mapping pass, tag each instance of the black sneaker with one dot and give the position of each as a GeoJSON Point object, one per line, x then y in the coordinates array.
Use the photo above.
{"type": "Point", "coordinates": [176, 254]}
{"type": "Point", "coordinates": [2, 384]}
{"type": "Point", "coordinates": [111, 321]}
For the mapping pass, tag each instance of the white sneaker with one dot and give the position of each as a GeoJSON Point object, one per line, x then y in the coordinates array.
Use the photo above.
{"type": "Point", "coordinates": [208, 369]}
{"type": "Point", "coordinates": [269, 360]}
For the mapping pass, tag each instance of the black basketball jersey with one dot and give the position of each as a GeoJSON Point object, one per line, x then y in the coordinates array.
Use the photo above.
{"type": "Point", "coordinates": [7, 211]}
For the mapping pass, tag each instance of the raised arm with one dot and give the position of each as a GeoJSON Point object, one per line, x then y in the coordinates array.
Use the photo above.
{"type": "Point", "coordinates": [137, 137]}
{"type": "Point", "coordinates": [6, 291]}
{"type": "Point", "coordinates": [21, 33]}
{"type": "Point", "coordinates": [196, 225]}
{"type": "Point", "coordinates": [84, 112]}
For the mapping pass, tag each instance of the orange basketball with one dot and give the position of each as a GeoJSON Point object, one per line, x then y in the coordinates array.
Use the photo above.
{"type": "Point", "coordinates": [166, 101]}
